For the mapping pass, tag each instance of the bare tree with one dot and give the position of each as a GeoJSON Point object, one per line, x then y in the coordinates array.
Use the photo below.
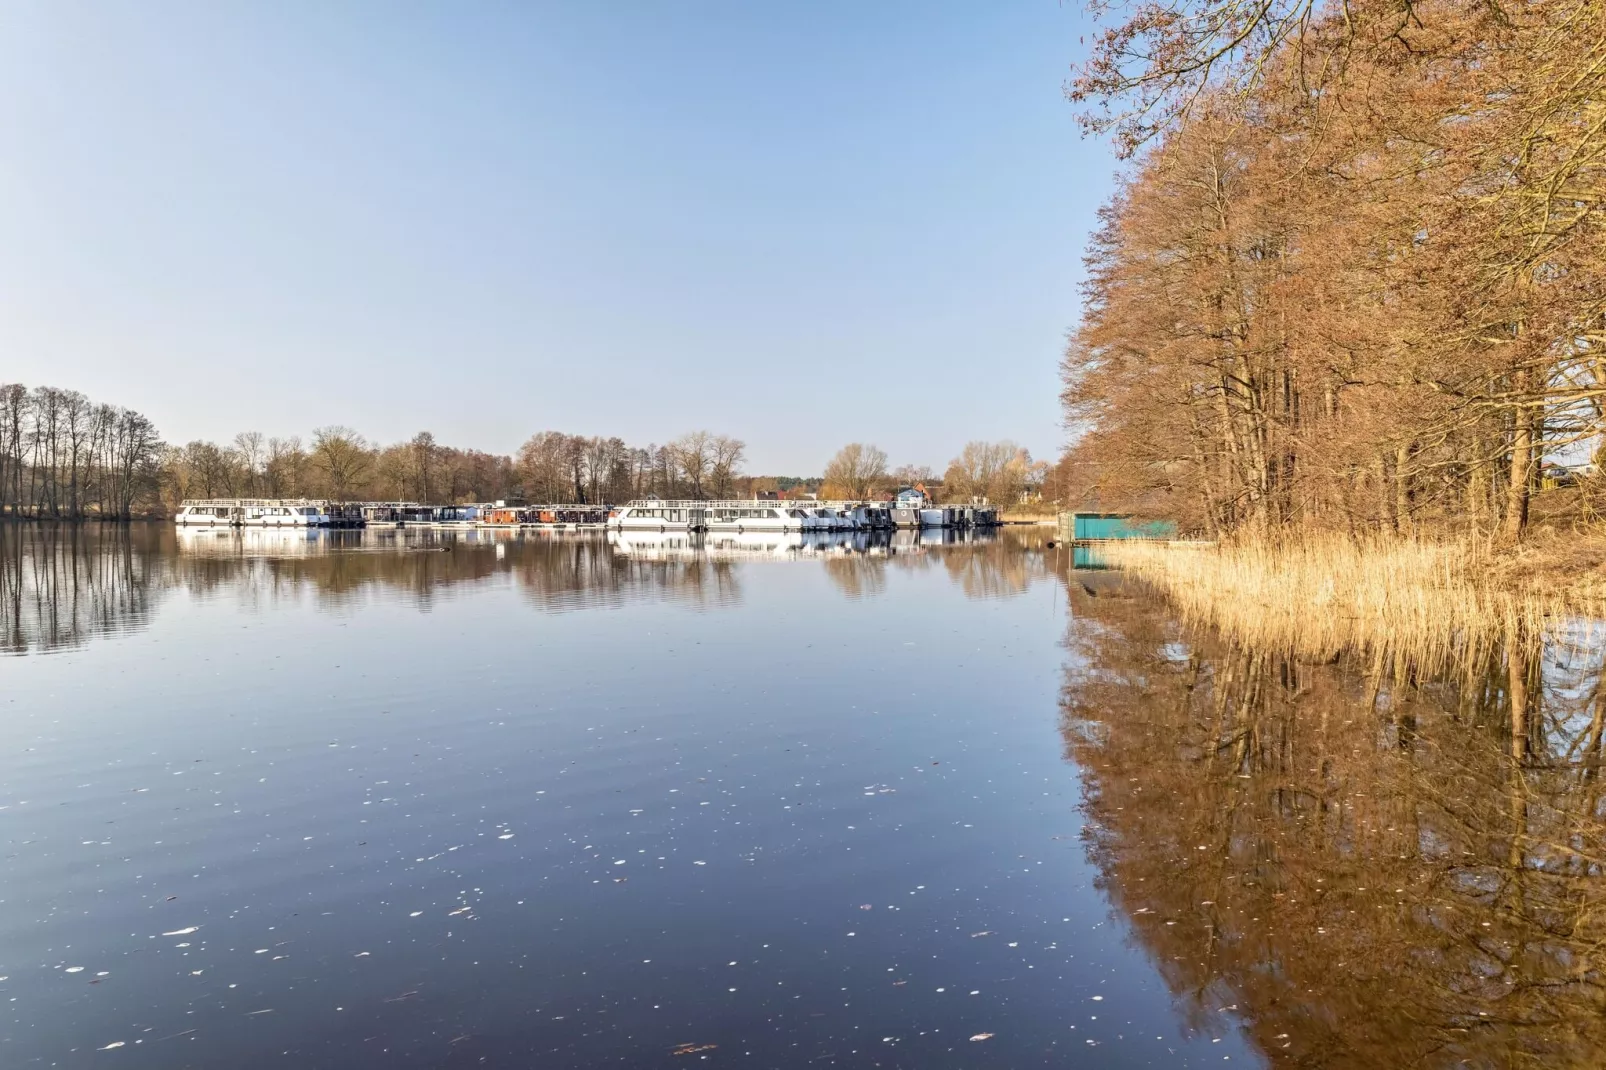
{"type": "Point", "coordinates": [45, 464]}
{"type": "Point", "coordinates": [284, 467]}
{"type": "Point", "coordinates": [1360, 281]}
{"type": "Point", "coordinates": [909, 475]}
{"type": "Point", "coordinates": [856, 471]}
{"type": "Point", "coordinates": [14, 414]}
{"type": "Point", "coordinates": [342, 458]}
{"type": "Point", "coordinates": [542, 464]}
{"type": "Point", "coordinates": [726, 460]}
{"type": "Point", "coordinates": [992, 470]}
{"type": "Point", "coordinates": [251, 449]}
{"type": "Point", "coordinates": [693, 453]}
{"type": "Point", "coordinates": [134, 460]}
{"type": "Point", "coordinates": [423, 450]}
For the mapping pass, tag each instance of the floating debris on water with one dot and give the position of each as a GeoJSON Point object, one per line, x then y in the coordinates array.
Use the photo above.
{"type": "Point", "coordinates": [693, 1049]}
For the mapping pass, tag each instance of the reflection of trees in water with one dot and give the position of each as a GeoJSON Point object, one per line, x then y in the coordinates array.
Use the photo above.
{"type": "Point", "coordinates": [337, 568]}
{"type": "Point", "coordinates": [560, 574]}
{"type": "Point", "coordinates": [1376, 869]}
{"type": "Point", "coordinates": [994, 568]}
{"type": "Point", "coordinates": [859, 575]}
{"type": "Point", "coordinates": [64, 584]}
{"type": "Point", "coordinates": [986, 565]}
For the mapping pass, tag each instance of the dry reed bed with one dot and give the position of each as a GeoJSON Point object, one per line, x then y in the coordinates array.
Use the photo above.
{"type": "Point", "coordinates": [1426, 602]}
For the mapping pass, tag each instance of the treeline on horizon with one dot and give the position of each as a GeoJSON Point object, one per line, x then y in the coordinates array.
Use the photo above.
{"type": "Point", "coordinates": [1356, 276]}
{"type": "Point", "coordinates": [64, 456]}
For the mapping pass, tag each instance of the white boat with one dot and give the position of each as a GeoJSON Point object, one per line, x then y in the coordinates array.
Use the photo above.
{"type": "Point", "coordinates": [205, 514]}
{"type": "Point", "coordinates": [819, 520]}
{"type": "Point", "coordinates": [739, 516]}
{"type": "Point", "coordinates": [652, 514]}
{"type": "Point", "coordinates": [284, 516]}
{"type": "Point", "coordinates": [871, 518]}
{"type": "Point", "coordinates": [253, 512]}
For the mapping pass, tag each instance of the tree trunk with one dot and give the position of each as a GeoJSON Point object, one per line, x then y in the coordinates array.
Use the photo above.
{"type": "Point", "coordinates": [1517, 486]}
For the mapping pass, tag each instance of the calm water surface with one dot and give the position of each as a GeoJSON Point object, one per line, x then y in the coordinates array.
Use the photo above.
{"type": "Point", "coordinates": [359, 801]}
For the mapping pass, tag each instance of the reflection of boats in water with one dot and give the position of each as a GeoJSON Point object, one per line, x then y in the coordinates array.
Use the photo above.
{"type": "Point", "coordinates": [781, 545]}
{"type": "Point", "coordinates": [259, 542]}
{"type": "Point", "coordinates": [724, 545]}
{"type": "Point", "coordinates": [744, 515]}
{"type": "Point", "coordinates": [656, 546]}
{"type": "Point", "coordinates": [756, 544]}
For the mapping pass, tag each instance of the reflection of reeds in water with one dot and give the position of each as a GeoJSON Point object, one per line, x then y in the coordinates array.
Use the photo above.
{"type": "Point", "coordinates": [1428, 603]}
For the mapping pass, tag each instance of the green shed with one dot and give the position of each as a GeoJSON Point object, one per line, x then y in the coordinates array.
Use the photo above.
{"type": "Point", "coordinates": [1096, 527]}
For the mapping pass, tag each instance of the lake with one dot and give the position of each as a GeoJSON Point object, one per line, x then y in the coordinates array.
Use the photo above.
{"type": "Point", "coordinates": [381, 798]}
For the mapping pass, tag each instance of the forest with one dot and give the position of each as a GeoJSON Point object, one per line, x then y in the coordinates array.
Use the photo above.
{"type": "Point", "coordinates": [63, 456]}
{"type": "Point", "coordinates": [1354, 279]}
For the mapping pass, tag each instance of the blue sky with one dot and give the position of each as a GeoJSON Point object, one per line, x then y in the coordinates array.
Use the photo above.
{"type": "Point", "coordinates": [801, 224]}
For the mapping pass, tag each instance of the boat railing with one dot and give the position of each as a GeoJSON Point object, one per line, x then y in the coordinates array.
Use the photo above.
{"type": "Point", "coordinates": [253, 503]}
{"type": "Point", "coordinates": [751, 503]}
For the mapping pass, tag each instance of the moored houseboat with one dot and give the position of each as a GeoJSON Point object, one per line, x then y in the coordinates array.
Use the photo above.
{"type": "Point", "coordinates": [260, 513]}
{"type": "Point", "coordinates": [206, 514]}
{"type": "Point", "coordinates": [740, 516]}
{"type": "Point", "coordinates": [653, 514]}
